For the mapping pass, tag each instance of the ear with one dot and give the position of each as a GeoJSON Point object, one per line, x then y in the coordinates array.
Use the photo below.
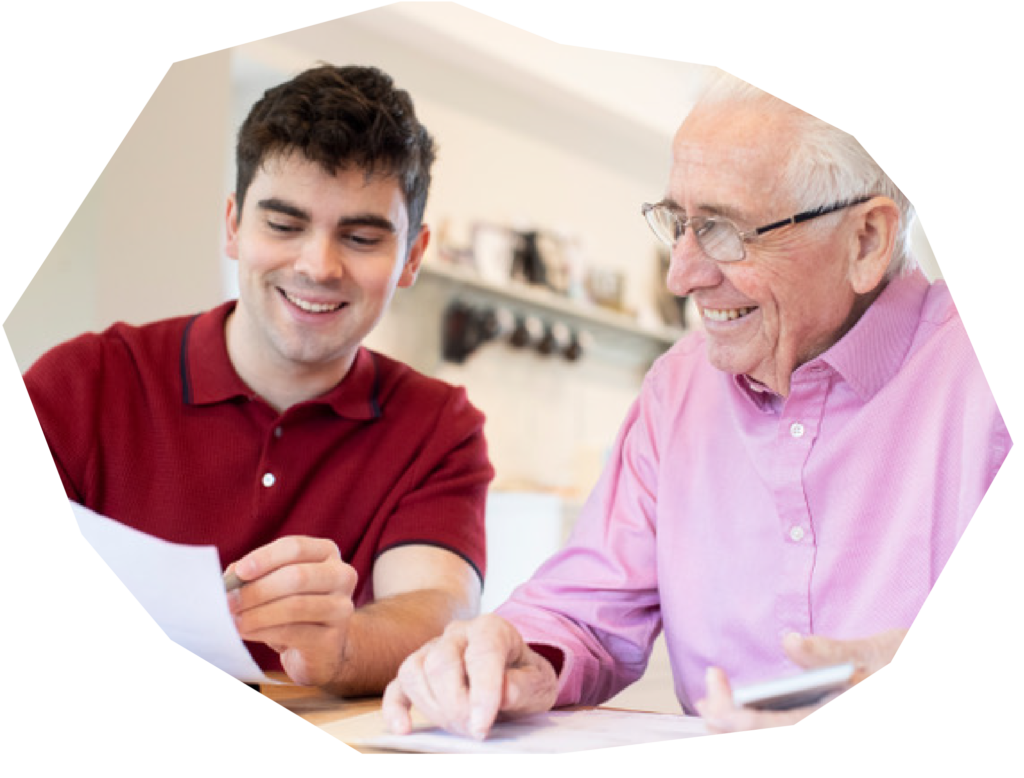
{"type": "Point", "coordinates": [415, 257]}
{"type": "Point", "coordinates": [875, 241]}
{"type": "Point", "coordinates": [231, 224]}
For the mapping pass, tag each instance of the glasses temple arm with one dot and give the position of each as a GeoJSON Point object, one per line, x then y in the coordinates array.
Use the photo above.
{"type": "Point", "coordinates": [808, 215]}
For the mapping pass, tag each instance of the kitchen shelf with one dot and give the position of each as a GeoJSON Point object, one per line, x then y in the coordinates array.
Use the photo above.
{"type": "Point", "coordinates": [547, 304]}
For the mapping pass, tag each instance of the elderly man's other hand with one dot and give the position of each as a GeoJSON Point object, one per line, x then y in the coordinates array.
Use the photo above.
{"type": "Point", "coordinates": [464, 679]}
{"type": "Point", "coordinates": [867, 656]}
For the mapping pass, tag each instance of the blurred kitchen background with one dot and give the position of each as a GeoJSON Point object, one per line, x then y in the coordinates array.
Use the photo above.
{"type": "Point", "coordinates": [542, 289]}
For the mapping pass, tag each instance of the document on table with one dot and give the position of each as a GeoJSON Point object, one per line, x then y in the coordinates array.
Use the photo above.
{"type": "Point", "coordinates": [553, 732]}
{"type": "Point", "coordinates": [179, 586]}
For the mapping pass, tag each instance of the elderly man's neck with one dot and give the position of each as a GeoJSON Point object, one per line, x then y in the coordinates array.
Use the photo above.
{"type": "Point", "coordinates": [776, 376]}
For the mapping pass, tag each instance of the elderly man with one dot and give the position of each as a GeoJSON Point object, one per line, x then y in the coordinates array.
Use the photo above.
{"type": "Point", "coordinates": [789, 483]}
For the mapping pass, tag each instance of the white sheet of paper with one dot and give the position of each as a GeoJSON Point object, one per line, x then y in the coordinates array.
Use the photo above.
{"type": "Point", "coordinates": [179, 586]}
{"type": "Point", "coordinates": [554, 732]}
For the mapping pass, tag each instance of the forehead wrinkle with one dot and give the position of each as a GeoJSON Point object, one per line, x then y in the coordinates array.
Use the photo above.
{"type": "Point", "coordinates": [703, 154]}
{"type": "Point", "coordinates": [738, 181]}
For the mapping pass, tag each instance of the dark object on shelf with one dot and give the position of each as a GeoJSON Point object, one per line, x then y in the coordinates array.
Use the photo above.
{"type": "Point", "coordinates": [527, 263]}
{"type": "Point", "coordinates": [465, 329]}
{"type": "Point", "coordinates": [528, 331]}
{"type": "Point", "coordinates": [460, 333]}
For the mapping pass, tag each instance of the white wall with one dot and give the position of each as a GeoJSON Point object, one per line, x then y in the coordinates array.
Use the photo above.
{"type": "Point", "coordinates": [529, 133]}
{"type": "Point", "coordinates": [145, 242]}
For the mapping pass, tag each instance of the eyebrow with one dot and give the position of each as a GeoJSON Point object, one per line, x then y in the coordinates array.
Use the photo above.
{"type": "Point", "coordinates": [725, 211]}
{"type": "Point", "coordinates": [355, 220]}
{"type": "Point", "coordinates": [280, 206]}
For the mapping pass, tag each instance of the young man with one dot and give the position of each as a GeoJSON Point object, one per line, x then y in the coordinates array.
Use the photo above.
{"type": "Point", "coordinates": [345, 490]}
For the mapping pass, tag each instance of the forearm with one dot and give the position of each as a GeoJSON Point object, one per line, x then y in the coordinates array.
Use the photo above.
{"type": "Point", "coordinates": [383, 633]}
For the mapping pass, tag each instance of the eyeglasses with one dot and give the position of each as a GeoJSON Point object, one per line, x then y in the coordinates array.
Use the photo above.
{"type": "Point", "coordinates": [719, 238]}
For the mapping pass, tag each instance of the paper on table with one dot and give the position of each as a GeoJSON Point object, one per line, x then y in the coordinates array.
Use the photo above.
{"type": "Point", "coordinates": [179, 586]}
{"type": "Point", "coordinates": [554, 732]}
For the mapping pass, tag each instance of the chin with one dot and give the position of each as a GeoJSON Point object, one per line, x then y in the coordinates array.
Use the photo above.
{"type": "Point", "coordinates": [727, 363]}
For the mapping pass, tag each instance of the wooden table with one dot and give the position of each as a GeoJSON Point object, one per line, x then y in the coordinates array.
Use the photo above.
{"type": "Point", "coordinates": [319, 708]}
{"type": "Point", "coordinates": [348, 720]}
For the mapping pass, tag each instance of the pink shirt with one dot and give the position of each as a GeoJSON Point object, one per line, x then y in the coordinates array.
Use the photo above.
{"type": "Point", "coordinates": [730, 516]}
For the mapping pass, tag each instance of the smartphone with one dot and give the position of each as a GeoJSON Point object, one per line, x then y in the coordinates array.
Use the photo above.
{"type": "Point", "coordinates": [795, 691]}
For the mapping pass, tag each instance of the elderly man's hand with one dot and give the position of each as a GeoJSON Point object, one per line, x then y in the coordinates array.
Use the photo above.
{"type": "Point", "coordinates": [867, 656]}
{"type": "Point", "coordinates": [462, 680]}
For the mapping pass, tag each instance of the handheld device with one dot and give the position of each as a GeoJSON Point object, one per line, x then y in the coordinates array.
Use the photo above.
{"type": "Point", "coordinates": [795, 691]}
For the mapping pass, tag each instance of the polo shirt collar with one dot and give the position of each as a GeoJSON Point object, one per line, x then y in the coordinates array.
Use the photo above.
{"type": "Point", "coordinates": [208, 377]}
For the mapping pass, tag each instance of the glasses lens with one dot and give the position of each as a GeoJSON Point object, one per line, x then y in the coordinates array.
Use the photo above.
{"type": "Point", "coordinates": [664, 224]}
{"type": "Point", "coordinates": [719, 239]}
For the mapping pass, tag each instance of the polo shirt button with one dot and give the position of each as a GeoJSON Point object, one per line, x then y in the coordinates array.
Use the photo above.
{"type": "Point", "coordinates": [796, 429]}
{"type": "Point", "coordinates": [796, 533]}
{"type": "Point", "coordinates": [278, 432]}
{"type": "Point", "coordinates": [268, 479]}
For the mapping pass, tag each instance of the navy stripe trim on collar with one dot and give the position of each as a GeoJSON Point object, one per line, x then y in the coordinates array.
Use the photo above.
{"type": "Point", "coordinates": [375, 392]}
{"type": "Point", "coordinates": [186, 379]}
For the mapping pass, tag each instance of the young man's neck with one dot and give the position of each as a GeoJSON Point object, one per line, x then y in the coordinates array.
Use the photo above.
{"type": "Point", "coordinates": [280, 385]}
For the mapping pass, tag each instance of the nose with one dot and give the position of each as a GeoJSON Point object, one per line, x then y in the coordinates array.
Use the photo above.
{"type": "Point", "coordinates": [320, 260]}
{"type": "Point", "coordinates": [690, 268]}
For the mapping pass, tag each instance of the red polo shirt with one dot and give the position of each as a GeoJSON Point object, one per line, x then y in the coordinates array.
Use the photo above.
{"type": "Point", "coordinates": [152, 426]}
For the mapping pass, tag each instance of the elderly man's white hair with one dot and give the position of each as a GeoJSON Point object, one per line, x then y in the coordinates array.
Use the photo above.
{"type": "Point", "coordinates": [826, 164]}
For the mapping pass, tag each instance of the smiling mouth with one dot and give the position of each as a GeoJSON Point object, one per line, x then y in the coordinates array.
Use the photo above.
{"type": "Point", "coordinates": [726, 314]}
{"type": "Point", "coordinates": [311, 307]}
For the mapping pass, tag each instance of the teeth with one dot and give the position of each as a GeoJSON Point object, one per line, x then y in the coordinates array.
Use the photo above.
{"type": "Point", "coordinates": [726, 314]}
{"type": "Point", "coordinates": [312, 307]}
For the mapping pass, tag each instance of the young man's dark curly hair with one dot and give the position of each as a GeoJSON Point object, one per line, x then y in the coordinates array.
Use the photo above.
{"type": "Point", "coordinates": [340, 118]}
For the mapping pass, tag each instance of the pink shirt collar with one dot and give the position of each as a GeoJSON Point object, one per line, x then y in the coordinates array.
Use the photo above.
{"type": "Point", "coordinates": [870, 353]}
